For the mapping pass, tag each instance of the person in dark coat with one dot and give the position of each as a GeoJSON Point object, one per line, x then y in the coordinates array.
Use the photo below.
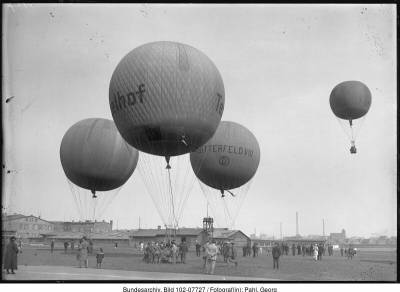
{"type": "Point", "coordinates": [298, 249]}
{"type": "Point", "coordinates": [231, 254]}
{"type": "Point", "coordinates": [66, 246]}
{"type": "Point", "coordinates": [341, 250]}
{"type": "Point", "coordinates": [198, 246]}
{"type": "Point", "coordinates": [90, 246]}
{"type": "Point", "coordinates": [10, 257]}
{"type": "Point", "coordinates": [276, 253]}
{"type": "Point", "coordinates": [183, 249]}
{"type": "Point", "coordinates": [254, 250]}
{"type": "Point", "coordinates": [293, 249]}
{"type": "Point", "coordinates": [320, 251]}
{"type": "Point", "coordinates": [52, 246]}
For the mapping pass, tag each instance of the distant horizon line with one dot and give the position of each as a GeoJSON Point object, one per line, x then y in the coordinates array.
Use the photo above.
{"type": "Point", "coordinates": [377, 234]}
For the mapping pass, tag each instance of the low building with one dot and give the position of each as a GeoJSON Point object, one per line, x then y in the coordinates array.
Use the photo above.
{"type": "Point", "coordinates": [236, 236]}
{"type": "Point", "coordinates": [304, 241]}
{"type": "Point", "coordinates": [27, 226]}
{"type": "Point", "coordinates": [338, 237]}
{"type": "Point", "coordinates": [110, 238]}
{"type": "Point", "coordinates": [83, 226]}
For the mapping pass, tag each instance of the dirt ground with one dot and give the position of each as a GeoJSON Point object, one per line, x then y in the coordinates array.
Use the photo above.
{"type": "Point", "coordinates": [370, 264]}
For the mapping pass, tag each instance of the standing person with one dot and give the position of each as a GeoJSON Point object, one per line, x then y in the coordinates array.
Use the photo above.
{"type": "Point", "coordinates": [72, 245]}
{"type": "Point", "coordinates": [225, 251]}
{"type": "Point", "coordinates": [315, 250]}
{"type": "Point", "coordinates": [78, 254]}
{"type": "Point", "coordinates": [231, 254]}
{"type": "Point", "coordinates": [52, 246]}
{"type": "Point", "coordinates": [268, 249]}
{"type": "Point", "coordinates": [303, 249]}
{"type": "Point", "coordinates": [293, 249]}
{"type": "Point", "coordinates": [321, 251]}
{"type": "Point", "coordinates": [183, 249]}
{"type": "Point", "coordinates": [83, 253]}
{"type": "Point", "coordinates": [341, 250]}
{"type": "Point", "coordinates": [90, 246]}
{"type": "Point", "coordinates": [298, 249]}
{"type": "Point", "coordinates": [174, 251]}
{"type": "Point", "coordinates": [99, 258]}
{"type": "Point", "coordinates": [19, 245]}
{"type": "Point", "coordinates": [198, 246]}
{"type": "Point", "coordinates": [254, 250]}
{"type": "Point", "coordinates": [157, 252]}
{"type": "Point", "coordinates": [10, 257]}
{"type": "Point", "coordinates": [276, 253]}
{"type": "Point", "coordinates": [65, 246]}
{"type": "Point", "coordinates": [115, 244]}
{"type": "Point", "coordinates": [147, 253]}
{"type": "Point", "coordinates": [211, 257]}
{"type": "Point", "coordinates": [248, 249]}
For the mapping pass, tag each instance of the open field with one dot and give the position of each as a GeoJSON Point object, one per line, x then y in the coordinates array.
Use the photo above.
{"type": "Point", "coordinates": [370, 264]}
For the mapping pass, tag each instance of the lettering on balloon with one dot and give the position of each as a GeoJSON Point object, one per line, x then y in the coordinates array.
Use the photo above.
{"type": "Point", "coordinates": [220, 105]}
{"type": "Point", "coordinates": [121, 102]}
{"type": "Point", "coordinates": [222, 148]}
{"type": "Point", "coordinates": [224, 160]}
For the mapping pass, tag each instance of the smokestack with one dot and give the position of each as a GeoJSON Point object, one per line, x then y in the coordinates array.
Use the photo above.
{"type": "Point", "coordinates": [297, 224]}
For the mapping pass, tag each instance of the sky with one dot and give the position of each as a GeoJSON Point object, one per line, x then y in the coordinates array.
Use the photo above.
{"type": "Point", "coordinates": [279, 64]}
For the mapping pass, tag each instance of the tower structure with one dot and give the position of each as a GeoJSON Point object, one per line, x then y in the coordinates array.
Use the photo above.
{"type": "Point", "coordinates": [208, 226]}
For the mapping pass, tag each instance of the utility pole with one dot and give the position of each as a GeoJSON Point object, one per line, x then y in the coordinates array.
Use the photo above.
{"type": "Point", "coordinates": [323, 227]}
{"type": "Point", "coordinates": [297, 224]}
{"type": "Point", "coordinates": [139, 222]}
{"type": "Point", "coordinates": [280, 224]}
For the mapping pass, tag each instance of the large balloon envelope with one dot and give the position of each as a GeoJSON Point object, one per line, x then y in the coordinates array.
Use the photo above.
{"type": "Point", "coordinates": [350, 100]}
{"type": "Point", "coordinates": [166, 98]}
{"type": "Point", "coordinates": [229, 159]}
{"type": "Point", "coordinates": [95, 157]}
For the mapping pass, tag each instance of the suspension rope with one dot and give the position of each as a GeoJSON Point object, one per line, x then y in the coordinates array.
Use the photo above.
{"type": "Point", "coordinates": [172, 198]}
{"type": "Point", "coordinates": [74, 195]}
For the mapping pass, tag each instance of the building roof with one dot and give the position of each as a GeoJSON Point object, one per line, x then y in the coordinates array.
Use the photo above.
{"type": "Point", "coordinates": [80, 222]}
{"type": "Point", "coordinates": [162, 232]}
{"type": "Point", "coordinates": [13, 217]}
{"type": "Point", "coordinates": [78, 235]}
{"type": "Point", "coordinates": [225, 234]}
{"type": "Point", "coordinates": [20, 216]}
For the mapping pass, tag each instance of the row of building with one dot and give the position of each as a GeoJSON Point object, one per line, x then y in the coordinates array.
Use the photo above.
{"type": "Point", "coordinates": [35, 229]}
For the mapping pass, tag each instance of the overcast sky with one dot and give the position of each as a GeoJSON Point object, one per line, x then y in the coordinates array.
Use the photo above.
{"type": "Point", "coordinates": [279, 64]}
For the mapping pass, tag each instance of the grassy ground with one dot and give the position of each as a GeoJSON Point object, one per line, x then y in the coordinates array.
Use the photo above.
{"type": "Point", "coordinates": [368, 265]}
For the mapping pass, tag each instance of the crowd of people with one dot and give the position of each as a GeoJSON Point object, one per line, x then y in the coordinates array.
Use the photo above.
{"type": "Point", "coordinates": [315, 250]}
{"type": "Point", "coordinates": [164, 252]}
{"type": "Point", "coordinates": [169, 251]}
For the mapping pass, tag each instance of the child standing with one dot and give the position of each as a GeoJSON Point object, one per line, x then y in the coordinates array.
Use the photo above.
{"type": "Point", "coordinates": [99, 257]}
